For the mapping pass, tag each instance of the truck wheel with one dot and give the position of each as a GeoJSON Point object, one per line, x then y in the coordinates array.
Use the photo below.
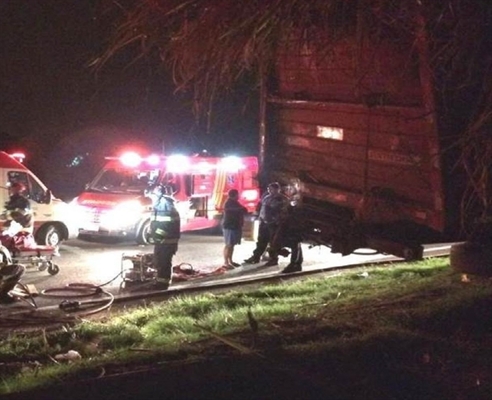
{"type": "Point", "coordinates": [49, 235]}
{"type": "Point", "coordinates": [143, 235]}
{"type": "Point", "coordinates": [413, 253]}
{"type": "Point", "coordinates": [471, 258]}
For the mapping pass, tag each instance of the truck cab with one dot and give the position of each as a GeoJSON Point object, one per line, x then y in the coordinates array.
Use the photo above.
{"type": "Point", "coordinates": [51, 215]}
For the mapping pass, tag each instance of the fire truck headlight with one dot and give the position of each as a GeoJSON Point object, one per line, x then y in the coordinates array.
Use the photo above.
{"type": "Point", "coordinates": [123, 215]}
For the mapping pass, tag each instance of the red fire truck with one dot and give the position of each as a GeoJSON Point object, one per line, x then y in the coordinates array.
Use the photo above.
{"type": "Point", "coordinates": [115, 203]}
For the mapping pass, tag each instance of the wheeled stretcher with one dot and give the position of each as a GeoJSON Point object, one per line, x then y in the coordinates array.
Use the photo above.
{"type": "Point", "coordinates": [40, 257]}
{"type": "Point", "coordinates": [19, 247]}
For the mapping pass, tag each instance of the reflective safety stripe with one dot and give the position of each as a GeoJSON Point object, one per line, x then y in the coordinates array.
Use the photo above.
{"type": "Point", "coordinates": [168, 241]}
{"type": "Point", "coordinates": [162, 218]}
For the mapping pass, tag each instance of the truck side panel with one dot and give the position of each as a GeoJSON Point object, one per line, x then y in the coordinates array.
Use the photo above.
{"type": "Point", "coordinates": [355, 129]}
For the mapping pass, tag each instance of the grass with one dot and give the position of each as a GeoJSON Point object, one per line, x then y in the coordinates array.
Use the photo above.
{"type": "Point", "coordinates": [417, 318]}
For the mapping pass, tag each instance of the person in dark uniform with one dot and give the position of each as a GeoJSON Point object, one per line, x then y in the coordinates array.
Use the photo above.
{"type": "Point", "coordinates": [289, 236]}
{"type": "Point", "coordinates": [18, 208]}
{"type": "Point", "coordinates": [272, 206]}
{"type": "Point", "coordinates": [165, 229]}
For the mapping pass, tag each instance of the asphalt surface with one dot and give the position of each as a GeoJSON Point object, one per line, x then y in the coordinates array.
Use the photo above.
{"type": "Point", "coordinates": [98, 264]}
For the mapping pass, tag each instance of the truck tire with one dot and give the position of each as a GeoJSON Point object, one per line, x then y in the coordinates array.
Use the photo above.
{"type": "Point", "coordinates": [413, 253]}
{"type": "Point", "coordinates": [143, 234]}
{"type": "Point", "coordinates": [49, 235]}
{"type": "Point", "coordinates": [471, 258]}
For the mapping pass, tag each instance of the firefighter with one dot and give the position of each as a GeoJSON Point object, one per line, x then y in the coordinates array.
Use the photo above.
{"type": "Point", "coordinates": [165, 231]}
{"type": "Point", "coordinates": [18, 208]}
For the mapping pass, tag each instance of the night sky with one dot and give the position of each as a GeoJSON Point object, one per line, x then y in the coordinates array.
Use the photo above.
{"type": "Point", "coordinates": [54, 103]}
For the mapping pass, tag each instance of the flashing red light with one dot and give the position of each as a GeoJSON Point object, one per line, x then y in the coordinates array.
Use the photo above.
{"type": "Point", "coordinates": [18, 156]}
{"type": "Point", "coordinates": [130, 159]}
{"type": "Point", "coordinates": [153, 159]}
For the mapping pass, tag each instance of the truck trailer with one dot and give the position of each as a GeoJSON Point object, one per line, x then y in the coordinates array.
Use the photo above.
{"type": "Point", "coordinates": [369, 134]}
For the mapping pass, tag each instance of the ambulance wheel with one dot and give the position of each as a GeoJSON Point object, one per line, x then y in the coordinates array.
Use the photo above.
{"type": "Point", "coordinates": [143, 235]}
{"type": "Point", "coordinates": [49, 235]}
{"type": "Point", "coordinates": [53, 269]}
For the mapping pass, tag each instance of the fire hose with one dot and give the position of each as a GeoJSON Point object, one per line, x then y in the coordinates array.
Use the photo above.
{"type": "Point", "coordinates": [78, 290]}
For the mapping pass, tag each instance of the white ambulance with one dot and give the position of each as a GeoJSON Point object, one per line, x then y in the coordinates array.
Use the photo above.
{"type": "Point", "coordinates": [51, 215]}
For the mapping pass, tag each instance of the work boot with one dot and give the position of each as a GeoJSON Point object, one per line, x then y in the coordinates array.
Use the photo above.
{"type": "Point", "coordinates": [252, 260]}
{"type": "Point", "coordinates": [291, 268]}
{"type": "Point", "coordinates": [161, 285]}
{"type": "Point", "coordinates": [270, 263]}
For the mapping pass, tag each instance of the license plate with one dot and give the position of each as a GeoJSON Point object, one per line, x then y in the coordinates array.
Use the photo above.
{"type": "Point", "coordinates": [91, 227]}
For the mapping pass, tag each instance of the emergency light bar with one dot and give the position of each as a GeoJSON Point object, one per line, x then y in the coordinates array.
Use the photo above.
{"type": "Point", "coordinates": [132, 159]}
{"type": "Point", "coordinates": [178, 163]}
{"type": "Point", "coordinates": [231, 164]}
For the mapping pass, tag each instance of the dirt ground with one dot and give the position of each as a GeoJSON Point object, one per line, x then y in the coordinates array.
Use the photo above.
{"type": "Point", "coordinates": [247, 378]}
{"type": "Point", "coordinates": [231, 378]}
{"type": "Point", "coordinates": [387, 370]}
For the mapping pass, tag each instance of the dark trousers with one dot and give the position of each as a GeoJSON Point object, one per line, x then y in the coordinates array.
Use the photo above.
{"type": "Point", "coordinates": [296, 256]}
{"type": "Point", "coordinates": [163, 260]}
{"type": "Point", "coordinates": [266, 233]}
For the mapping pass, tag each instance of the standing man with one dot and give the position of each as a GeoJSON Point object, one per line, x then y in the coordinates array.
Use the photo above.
{"type": "Point", "coordinates": [273, 205]}
{"type": "Point", "coordinates": [289, 235]}
{"type": "Point", "coordinates": [165, 229]}
{"type": "Point", "coordinates": [232, 226]}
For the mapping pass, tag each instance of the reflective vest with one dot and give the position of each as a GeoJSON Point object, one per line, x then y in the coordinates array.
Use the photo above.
{"type": "Point", "coordinates": [165, 223]}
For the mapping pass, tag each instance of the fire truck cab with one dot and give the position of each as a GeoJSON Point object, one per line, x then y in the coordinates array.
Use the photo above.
{"type": "Point", "coordinates": [116, 204]}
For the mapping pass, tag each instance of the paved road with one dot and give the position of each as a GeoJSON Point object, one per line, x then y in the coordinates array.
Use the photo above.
{"type": "Point", "coordinates": [100, 263]}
